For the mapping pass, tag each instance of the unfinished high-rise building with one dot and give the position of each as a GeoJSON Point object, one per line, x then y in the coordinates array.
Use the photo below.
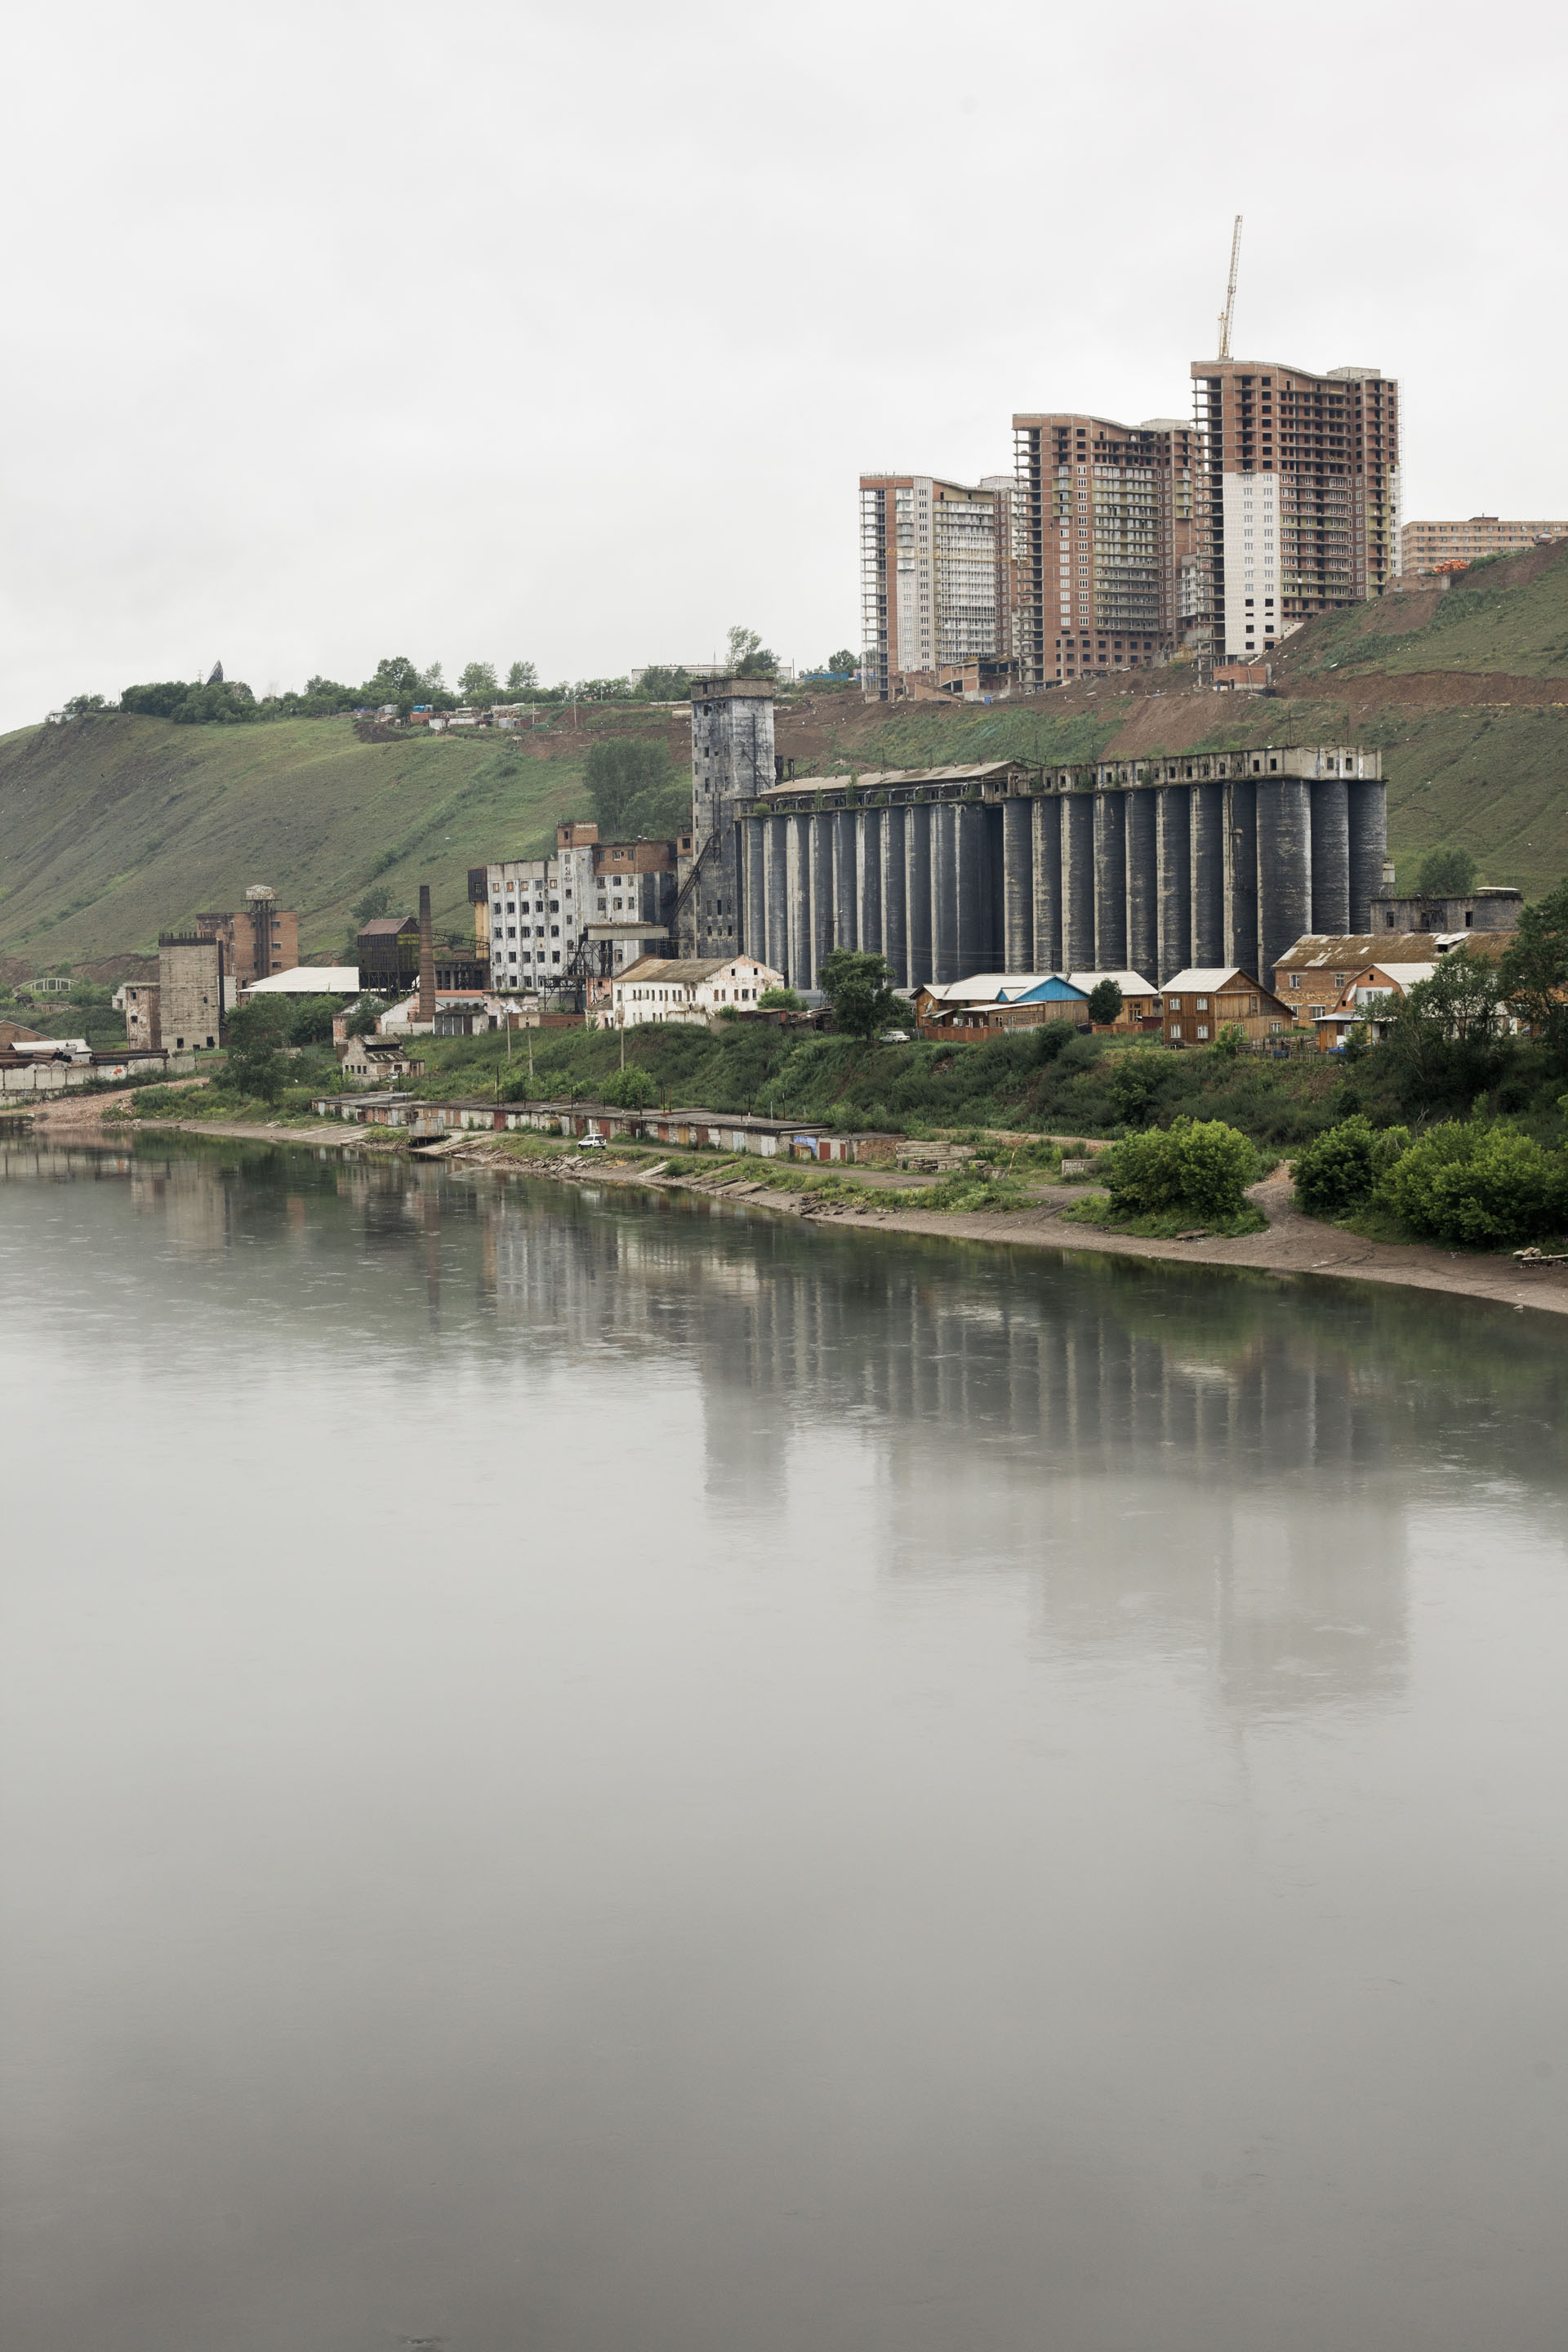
{"type": "Point", "coordinates": [1300, 504]}
{"type": "Point", "coordinates": [1105, 525]}
{"type": "Point", "coordinates": [935, 581]}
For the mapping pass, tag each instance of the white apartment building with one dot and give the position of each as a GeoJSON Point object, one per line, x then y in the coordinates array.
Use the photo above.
{"type": "Point", "coordinates": [664, 990]}
{"type": "Point", "coordinates": [1254, 603]}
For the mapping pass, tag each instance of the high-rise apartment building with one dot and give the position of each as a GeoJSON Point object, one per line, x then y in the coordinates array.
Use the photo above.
{"type": "Point", "coordinates": [935, 574]}
{"type": "Point", "coordinates": [1424, 545]}
{"type": "Point", "coordinates": [1104, 534]}
{"type": "Point", "coordinates": [1300, 504]}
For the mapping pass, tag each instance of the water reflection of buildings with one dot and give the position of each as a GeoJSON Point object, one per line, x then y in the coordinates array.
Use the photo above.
{"type": "Point", "coordinates": [1230, 1459]}
{"type": "Point", "coordinates": [1207, 1460]}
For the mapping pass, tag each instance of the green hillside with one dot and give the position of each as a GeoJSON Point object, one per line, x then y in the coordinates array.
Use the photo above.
{"type": "Point", "coordinates": [1509, 615]}
{"type": "Point", "coordinates": [112, 829]}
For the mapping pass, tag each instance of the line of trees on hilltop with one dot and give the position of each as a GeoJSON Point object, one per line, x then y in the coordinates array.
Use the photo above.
{"type": "Point", "coordinates": [401, 684]}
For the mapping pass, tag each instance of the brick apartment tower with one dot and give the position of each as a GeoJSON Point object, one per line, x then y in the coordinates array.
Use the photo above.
{"type": "Point", "coordinates": [426, 958]}
{"type": "Point", "coordinates": [935, 575]}
{"type": "Point", "coordinates": [1300, 506]}
{"type": "Point", "coordinates": [1105, 535]}
{"type": "Point", "coordinates": [731, 762]}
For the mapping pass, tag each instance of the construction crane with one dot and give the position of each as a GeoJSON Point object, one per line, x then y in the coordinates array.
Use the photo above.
{"type": "Point", "coordinates": [1228, 313]}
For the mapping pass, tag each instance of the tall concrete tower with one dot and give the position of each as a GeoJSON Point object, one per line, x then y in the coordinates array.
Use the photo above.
{"type": "Point", "coordinates": [732, 762]}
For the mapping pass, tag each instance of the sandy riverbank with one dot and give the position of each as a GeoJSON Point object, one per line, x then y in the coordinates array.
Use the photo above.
{"type": "Point", "coordinates": [1293, 1245]}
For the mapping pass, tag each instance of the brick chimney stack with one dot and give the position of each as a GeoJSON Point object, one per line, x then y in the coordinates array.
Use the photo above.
{"type": "Point", "coordinates": [426, 958]}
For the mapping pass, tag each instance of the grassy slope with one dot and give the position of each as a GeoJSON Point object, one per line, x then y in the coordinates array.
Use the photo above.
{"type": "Point", "coordinates": [112, 831]}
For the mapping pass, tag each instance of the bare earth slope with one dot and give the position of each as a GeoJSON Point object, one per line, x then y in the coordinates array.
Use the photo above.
{"type": "Point", "coordinates": [112, 830]}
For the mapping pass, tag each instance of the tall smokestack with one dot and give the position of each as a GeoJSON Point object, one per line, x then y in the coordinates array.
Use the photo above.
{"type": "Point", "coordinates": [426, 958]}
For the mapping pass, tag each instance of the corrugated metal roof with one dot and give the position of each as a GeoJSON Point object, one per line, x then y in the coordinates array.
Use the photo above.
{"type": "Point", "coordinates": [875, 780]}
{"type": "Point", "coordinates": [1206, 981]}
{"type": "Point", "coordinates": [1131, 984]}
{"type": "Point", "coordinates": [687, 975]}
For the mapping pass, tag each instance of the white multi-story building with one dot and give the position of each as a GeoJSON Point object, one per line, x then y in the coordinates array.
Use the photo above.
{"type": "Point", "coordinates": [693, 989]}
{"type": "Point", "coordinates": [935, 574]}
{"type": "Point", "coordinates": [533, 915]}
{"type": "Point", "coordinates": [1254, 604]}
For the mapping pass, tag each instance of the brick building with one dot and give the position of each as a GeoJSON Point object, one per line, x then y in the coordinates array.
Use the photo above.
{"type": "Point", "coordinates": [1300, 503]}
{"type": "Point", "coordinates": [1106, 536]}
{"type": "Point", "coordinates": [261, 939]}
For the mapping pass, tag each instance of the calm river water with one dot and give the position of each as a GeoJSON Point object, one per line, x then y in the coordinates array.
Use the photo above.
{"type": "Point", "coordinates": [593, 1775]}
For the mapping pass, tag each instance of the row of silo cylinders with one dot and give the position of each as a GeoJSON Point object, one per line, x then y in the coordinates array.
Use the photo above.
{"type": "Point", "coordinates": [1153, 878]}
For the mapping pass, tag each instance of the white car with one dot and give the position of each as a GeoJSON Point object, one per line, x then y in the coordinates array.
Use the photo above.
{"type": "Point", "coordinates": [894, 1037]}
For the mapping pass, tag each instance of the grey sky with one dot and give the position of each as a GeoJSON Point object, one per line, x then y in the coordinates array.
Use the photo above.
{"type": "Point", "coordinates": [563, 333]}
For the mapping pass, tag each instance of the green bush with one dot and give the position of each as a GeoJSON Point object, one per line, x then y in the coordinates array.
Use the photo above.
{"type": "Point", "coordinates": [630, 1089]}
{"type": "Point", "coordinates": [1340, 1169]}
{"type": "Point", "coordinates": [1199, 1166]}
{"type": "Point", "coordinates": [1480, 1185]}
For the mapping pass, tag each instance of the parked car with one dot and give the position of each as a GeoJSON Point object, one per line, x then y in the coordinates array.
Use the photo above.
{"type": "Point", "coordinates": [894, 1037]}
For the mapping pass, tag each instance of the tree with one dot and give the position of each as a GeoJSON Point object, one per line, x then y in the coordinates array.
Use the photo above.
{"type": "Point", "coordinates": [1533, 971]}
{"type": "Point", "coordinates": [84, 705]}
{"type": "Point", "coordinates": [635, 790]}
{"type": "Point", "coordinates": [362, 1021]}
{"type": "Point", "coordinates": [396, 678]}
{"type": "Point", "coordinates": [1447, 1040]}
{"type": "Point", "coordinates": [372, 903]}
{"type": "Point", "coordinates": [1340, 1169]}
{"type": "Point", "coordinates": [664, 685]}
{"type": "Point", "coordinates": [521, 678]}
{"type": "Point", "coordinates": [857, 987]}
{"type": "Point", "coordinates": [1446, 874]}
{"type": "Point", "coordinates": [434, 680]}
{"type": "Point", "coordinates": [749, 657]}
{"type": "Point", "coordinates": [253, 1035]}
{"type": "Point", "coordinates": [630, 1089]}
{"type": "Point", "coordinates": [1479, 1185]}
{"type": "Point", "coordinates": [779, 1000]}
{"type": "Point", "coordinates": [843, 663]}
{"type": "Point", "coordinates": [1104, 1001]}
{"type": "Point", "coordinates": [159, 700]}
{"type": "Point", "coordinates": [478, 682]}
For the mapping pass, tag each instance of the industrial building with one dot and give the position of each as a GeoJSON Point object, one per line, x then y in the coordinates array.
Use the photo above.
{"type": "Point", "coordinates": [1300, 499]}
{"type": "Point", "coordinates": [1107, 520]}
{"type": "Point", "coordinates": [261, 939]}
{"type": "Point", "coordinates": [554, 923]}
{"type": "Point", "coordinates": [1423, 546]}
{"type": "Point", "coordinates": [1149, 865]}
{"type": "Point", "coordinates": [937, 580]}
{"type": "Point", "coordinates": [191, 1001]}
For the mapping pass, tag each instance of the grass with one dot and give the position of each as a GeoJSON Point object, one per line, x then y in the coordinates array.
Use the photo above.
{"type": "Point", "coordinates": [1510, 615]}
{"type": "Point", "coordinates": [126, 827]}
{"type": "Point", "coordinates": [1167, 1225]}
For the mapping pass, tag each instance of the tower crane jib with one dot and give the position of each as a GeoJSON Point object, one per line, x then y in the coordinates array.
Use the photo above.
{"type": "Point", "coordinates": [1228, 315]}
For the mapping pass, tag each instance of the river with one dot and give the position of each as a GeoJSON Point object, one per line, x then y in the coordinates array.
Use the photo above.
{"type": "Point", "coordinates": [586, 1773]}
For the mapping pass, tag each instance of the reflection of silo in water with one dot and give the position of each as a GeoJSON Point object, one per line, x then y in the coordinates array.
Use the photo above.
{"type": "Point", "coordinates": [1161, 1458]}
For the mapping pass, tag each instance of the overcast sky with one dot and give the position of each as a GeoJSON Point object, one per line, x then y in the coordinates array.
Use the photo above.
{"type": "Point", "coordinates": [563, 333]}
